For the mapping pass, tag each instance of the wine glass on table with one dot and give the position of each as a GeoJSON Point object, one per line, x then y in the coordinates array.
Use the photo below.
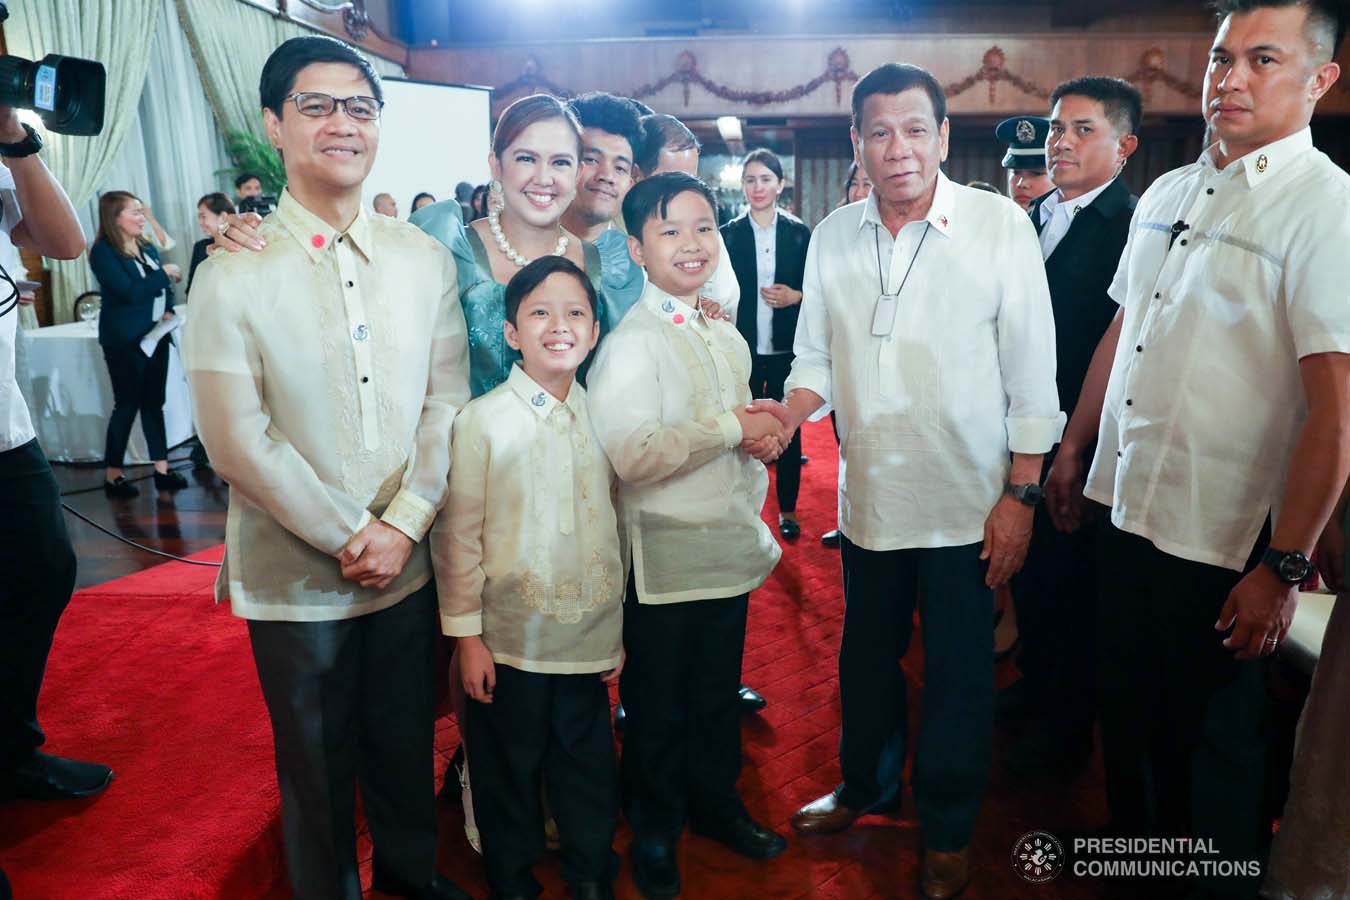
{"type": "Point", "coordinates": [87, 308]}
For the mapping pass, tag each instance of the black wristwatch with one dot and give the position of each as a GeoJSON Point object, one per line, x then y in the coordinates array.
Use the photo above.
{"type": "Point", "coordinates": [1289, 566]}
{"type": "Point", "coordinates": [1030, 494]}
{"type": "Point", "coordinates": [26, 147]}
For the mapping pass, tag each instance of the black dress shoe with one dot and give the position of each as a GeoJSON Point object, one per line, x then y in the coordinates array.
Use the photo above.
{"type": "Point", "coordinates": [790, 528]}
{"type": "Point", "coordinates": [438, 888]}
{"type": "Point", "coordinates": [591, 890]}
{"type": "Point", "coordinates": [805, 459]}
{"type": "Point", "coordinates": [655, 869]}
{"type": "Point", "coordinates": [121, 489]}
{"type": "Point", "coordinates": [744, 836]}
{"type": "Point", "coordinates": [42, 776]}
{"type": "Point", "coordinates": [831, 538]}
{"type": "Point", "coordinates": [620, 717]}
{"type": "Point", "coordinates": [170, 481]}
{"type": "Point", "coordinates": [750, 700]}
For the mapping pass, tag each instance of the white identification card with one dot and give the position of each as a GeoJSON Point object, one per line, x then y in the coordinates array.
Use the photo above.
{"type": "Point", "coordinates": [883, 320]}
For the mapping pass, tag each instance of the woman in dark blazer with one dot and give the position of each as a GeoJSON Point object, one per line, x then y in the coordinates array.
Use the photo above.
{"type": "Point", "coordinates": [767, 247]}
{"type": "Point", "coordinates": [137, 292]}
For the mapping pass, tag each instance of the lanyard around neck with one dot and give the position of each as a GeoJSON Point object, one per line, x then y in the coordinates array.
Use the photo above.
{"type": "Point", "coordinates": [881, 277]}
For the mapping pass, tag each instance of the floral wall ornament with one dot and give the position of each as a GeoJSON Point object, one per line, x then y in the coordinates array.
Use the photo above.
{"type": "Point", "coordinates": [686, 74]}
{"type": "Point", "coordinates": [531, 81]}
{"type": "Point", "coordinates": [993, 70]}
{"type": "Point", "coordinates": [838, 70]}
{"type": "Point", "coordinates": [354, 16]}
{"type": "Point", "coordinates": [1153, 69]}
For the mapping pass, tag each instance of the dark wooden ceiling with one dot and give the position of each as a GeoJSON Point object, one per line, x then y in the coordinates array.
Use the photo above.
{"type": "Point", "coordinates": [474, 21]}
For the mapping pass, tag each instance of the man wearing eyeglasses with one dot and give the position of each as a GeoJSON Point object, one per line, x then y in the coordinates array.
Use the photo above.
{"type": "Point", "coordinates": [326, 372]}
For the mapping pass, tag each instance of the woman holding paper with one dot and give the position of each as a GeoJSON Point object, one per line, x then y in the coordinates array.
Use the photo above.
{"type": "Point", "coordinates": [137, 295]}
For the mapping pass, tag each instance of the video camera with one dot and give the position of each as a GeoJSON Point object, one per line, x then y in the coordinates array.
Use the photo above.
{"type": "Point", "coordinates": [262, 204]}
{"type": "Point", "coordinates": [67, 93]}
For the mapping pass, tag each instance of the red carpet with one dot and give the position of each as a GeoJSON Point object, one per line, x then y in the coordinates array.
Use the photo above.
{"type": "Point", "coordinates": [148, 676]}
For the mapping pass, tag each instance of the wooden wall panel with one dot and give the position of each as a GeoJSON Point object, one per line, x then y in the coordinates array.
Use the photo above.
{"type": "Point", "coordinates": [987, 74]}
{"type": "Point", "coordinates": [813, 76]}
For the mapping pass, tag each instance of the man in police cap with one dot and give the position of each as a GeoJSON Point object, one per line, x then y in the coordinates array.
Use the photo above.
{"type": "Point", "coordinates": [1025, 159]}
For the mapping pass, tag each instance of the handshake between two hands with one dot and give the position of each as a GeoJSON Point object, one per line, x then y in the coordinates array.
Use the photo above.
{"type": "Point", "coordinates": [766, 428]}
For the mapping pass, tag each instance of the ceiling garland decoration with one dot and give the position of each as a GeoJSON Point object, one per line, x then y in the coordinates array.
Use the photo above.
{"type": "Point", "coordinates": [1152, 70]}
{"type": "Point", "coordinates": [993, 71]}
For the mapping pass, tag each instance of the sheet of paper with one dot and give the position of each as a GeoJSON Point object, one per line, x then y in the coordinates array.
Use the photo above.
{"type": "Point", "coordinates": [162, 327]}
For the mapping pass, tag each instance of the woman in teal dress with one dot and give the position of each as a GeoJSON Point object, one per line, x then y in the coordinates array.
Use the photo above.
{"type": "Point", "coordinates": [536, 149]}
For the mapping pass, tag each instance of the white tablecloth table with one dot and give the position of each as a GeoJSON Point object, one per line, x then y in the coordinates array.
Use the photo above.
{"type": "Point", "coordinates": [62, 375]}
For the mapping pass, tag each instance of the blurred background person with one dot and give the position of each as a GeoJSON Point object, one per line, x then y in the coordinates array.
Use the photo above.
{"type": "Point", "coordinates": [464, 196]}
{"type": "Point", "coordinates": [137, 293]}
{"type": "Point", "coordinates": [767, 249]}
{"type": "Point", "coordinates": [421, 200]}
{"type": "Point", "coordinates": [478, 202]}
{"type": "Point", "coordinates": [247, 184]}
{"type": "Point", "coordinates": [211, 212]}
{"type": "Point", "coordinates": [384, 205]}
{"type": "Point", "coordinates": [857, 186]}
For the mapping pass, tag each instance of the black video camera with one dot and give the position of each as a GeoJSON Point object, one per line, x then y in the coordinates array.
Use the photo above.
{"type": "Point", "coordinates": [67, 93]}
{"type": "Point", "coordinates": [262, 204]}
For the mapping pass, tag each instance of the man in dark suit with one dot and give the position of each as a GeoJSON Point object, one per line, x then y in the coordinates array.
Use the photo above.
{"type": "Point", "coordinates": [1083, 225]}
{"type": "Point", "coordinates": [767, 247]}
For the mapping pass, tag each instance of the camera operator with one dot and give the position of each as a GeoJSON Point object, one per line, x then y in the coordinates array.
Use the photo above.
{"type": "Point", "coordinates": [36, 557]}
{"type": "Point", "coordinates": [251, 197]}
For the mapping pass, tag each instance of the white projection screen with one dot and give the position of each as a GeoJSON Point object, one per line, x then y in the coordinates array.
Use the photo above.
{"type": "Point", "coordinates": [432, 136]}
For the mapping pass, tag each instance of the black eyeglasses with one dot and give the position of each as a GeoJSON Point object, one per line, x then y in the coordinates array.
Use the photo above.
{"type": "Point", "coordinates": [319, 106]}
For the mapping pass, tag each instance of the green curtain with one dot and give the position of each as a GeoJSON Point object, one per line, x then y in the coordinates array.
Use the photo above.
{"type": "Point", "coordinates": [231, 40]}
{"type": "Point", "coordinates": [119, 35]}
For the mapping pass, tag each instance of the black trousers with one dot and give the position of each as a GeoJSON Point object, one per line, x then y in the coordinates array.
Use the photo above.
{"type": "Point", "coordinates": [39, 566]}
{"type": "Point", "coordinates": [955, 744]}
{"type": "Point", "coordinates": [1184, 724]}
{"type": "Point", "coordinates": [138, 387]}
{"type": "Point", "coordinates": [1056, 597]}
{"type": "Point", "coordinates": [682, 736]}
{"type": "Point", "coordinates": [351, 701]}
{"type": "Point", "coordinates": [550, 732]}
{"type": "Point", "coordinates": [767, 374]}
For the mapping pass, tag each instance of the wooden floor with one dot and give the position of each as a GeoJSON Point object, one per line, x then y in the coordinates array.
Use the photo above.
{"type": "Point", "coordinates": [180, 522]}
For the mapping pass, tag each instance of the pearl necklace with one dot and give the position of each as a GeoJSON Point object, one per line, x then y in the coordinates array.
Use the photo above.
{"type": "Point", "coordinates": [495, 226]}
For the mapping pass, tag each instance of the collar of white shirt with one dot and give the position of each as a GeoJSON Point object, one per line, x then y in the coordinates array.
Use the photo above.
{"type": "Point", "coordinates": [540, 400]}
{"type": "Point", "coordinates": [1080, 202]}
{"type": "Point", "coordinates": [773, 223]}
{"type": "Point", "coordinates": [316, 235]}
{"type": "Point", "coordinates": [939, 212]}
{"type": "Point", "coordinates": [669, 308]}
{"type": "Point", "coordinates": [1263, 162]}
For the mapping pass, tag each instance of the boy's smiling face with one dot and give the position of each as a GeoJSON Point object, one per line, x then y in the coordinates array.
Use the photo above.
{"type": "Point", "coordinates": [680, 250]}
{"type": "Point", "coordinates": [555, 329]}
